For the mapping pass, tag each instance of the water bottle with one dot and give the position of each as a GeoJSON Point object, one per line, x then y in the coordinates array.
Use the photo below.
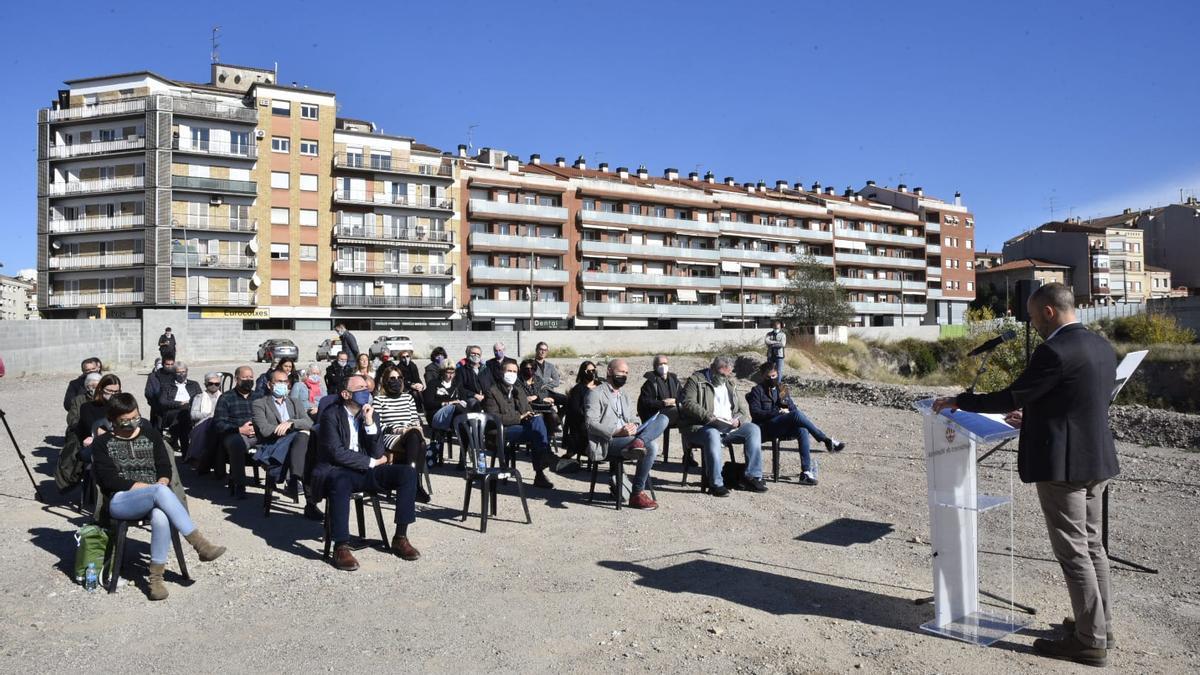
{"type": "Point", "coordinates": [480, 462]}
{"type": "Point", "coordinates": [89, 577]}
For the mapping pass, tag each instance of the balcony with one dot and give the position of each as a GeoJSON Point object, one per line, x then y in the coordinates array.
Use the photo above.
{"type": "Point", "coordinates": [215, 148]}
{"type": "Point", "coordinates": [752, 309]}
{"type": "Point", "coordinates": [759, 256]}
{"type": "Point", "coordinates": [96, 223]}
{"type": "Point", "coordinates": [79, 187]}
{"type": "Point", "coordinates": [774, 231]}
{"type": "Point", "coordinates": [379, 164]}
{"type": "Point", "coordinates": [126, 107]}
{"type": "Point", "coordinates": [392, 302]}
{"type": "Point", "coordinates": [214, 223]}
{"type": "Point", "coordinates": [214, 185]}
{"type": "Point", "coordinates": [933, 249]}
{"type": "Point", "coordinates": [386, 268]}
{"type": "Point", "coordinates": [648, 280]}
{"type": "Point", "coordinates": [935, 226]}
{"type": "Point", "coordinates": [879, 260]}
{"type": "Point", "coordinates": [765, 283]}
{"type": "Point", "coordinates": [933, 271]}
{"type": "Point", "coordinates": [191, 107]}
{"type": "Point", "coordinates": [486, 241]}
{"type": "Point", "coordinates": [645, 310]}
{"type": "Point", "coordinates": [933, 293]}
{"type": "Point", "coordinates": [627, 220]}
{"type": "Point", "coordinates": [95, 298]}
{"type": "Point", "coordinates": [76, 262]}
{"type": "Point", "coordinates": [519, 309]}
{"type": "Point", "coordinates": [863, 235]}
{"type": "Point", "coordinates": [859, 282]}
{"type": "Point", "coordinates": [488, 209]}
{"type": "Point", "coordinates": [649, 251]}
{"type": "Point", "coordinates": [395, 201]}
{"type": "Point", "coordinates": [216, 299]}
{"type": "Point", "coordinates": [519, 275]}
{"type": "Point", "coordinates": [214, 260]}
{"type": "Point", "coordinates": [909, 308]}
{"type": "Point", "coordinates": [96, 148]}
{"type": "Point", "coordinates": [378, 234]}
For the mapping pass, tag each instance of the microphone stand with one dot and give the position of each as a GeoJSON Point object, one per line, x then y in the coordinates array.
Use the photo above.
{"type": "Point", "coordinates": [37, 494]}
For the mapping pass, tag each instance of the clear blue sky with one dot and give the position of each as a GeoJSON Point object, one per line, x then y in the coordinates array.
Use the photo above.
{"type": "Point", "coordinates": [1089, 106]}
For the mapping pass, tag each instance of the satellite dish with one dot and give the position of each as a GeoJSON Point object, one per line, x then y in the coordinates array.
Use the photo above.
{"type": "Point", "coordinates": [253, 246]}
{"type": "Point", "coordinates": [255, 281]}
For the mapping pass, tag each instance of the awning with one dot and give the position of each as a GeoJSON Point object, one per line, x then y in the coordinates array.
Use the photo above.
{"type": "Point", "coordinates": [850, 243]}
{"type": "Point", "coordinates": [730, 266]}
{"type": "Point", "coordinates": [688, 295]}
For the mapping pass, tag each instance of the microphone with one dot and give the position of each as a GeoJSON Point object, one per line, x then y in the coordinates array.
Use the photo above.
{"type": "Point", "coordinates": [993, 343]}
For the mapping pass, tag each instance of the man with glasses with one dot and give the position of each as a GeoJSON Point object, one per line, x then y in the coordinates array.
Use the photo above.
{"type": "Point", "coordinates": [350, 458]}
{"type": "Point", "coordinates": [280, 423]}
{"type": "Point", "coordinates": [75, 386]}
{"type": "Point", "coordinates": [233, 422]}
{"type": "Point", "coordinates": [473, 379]}
{"type": "Point", "coordinates": [549, 374]}
{"type": "Point", "coordinates": [175, 401]}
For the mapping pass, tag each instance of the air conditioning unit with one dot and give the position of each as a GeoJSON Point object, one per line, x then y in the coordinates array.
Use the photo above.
{"type": "Point", "coordinates": [419, 269]}
{"type": "Point", "coordinates": [260, 134]}
{"type": "Point", "coordinates": [214, 200]}
{"type": "Point", "coordinates": [264, 102]}
{"type": "Point", "coordinates": [209, 260]}
{"type": "Point", "coordinates": [378, 283]}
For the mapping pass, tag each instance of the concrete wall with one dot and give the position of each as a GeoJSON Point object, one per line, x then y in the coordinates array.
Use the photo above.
{"type": "Point", "coordinates": [894, 333]}
{"type": "Point", "coordinates": [58, 346]}
{"type": "Point", "coordinates": [1185, 310]}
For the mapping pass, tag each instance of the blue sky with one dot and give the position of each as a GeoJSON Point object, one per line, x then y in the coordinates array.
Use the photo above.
{"type": "Point", "coordinates": [1088, 107]}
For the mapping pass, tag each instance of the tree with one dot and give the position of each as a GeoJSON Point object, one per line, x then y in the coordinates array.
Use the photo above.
{"type": "Point", "coordinates": [813, 298]}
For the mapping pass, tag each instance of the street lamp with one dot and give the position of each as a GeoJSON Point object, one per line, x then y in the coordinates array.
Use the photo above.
{"type": "Point", "coordinates": [187, 272]}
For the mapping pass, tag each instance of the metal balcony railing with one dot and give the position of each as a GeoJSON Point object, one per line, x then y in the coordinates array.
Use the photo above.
{"type": "Point", "coordinates": [218, 148]}
{"type": "Point", "coordinates": [96, 223]}
{"type": "Point", "coordinates": [214, 110]}
{"type": "Point", "coordinates": [200, 184]}
{"type": "Point", "coordinates": [96, 147]}
{"type": "Point", "coordinates": [95, 298]}
{"type": "Point", "coordinates": [202, 260]}
{"type": "Point", "coordinates": [389, 165]}
{"type": "Point", "coordinates": [74, 262]}
{"type": "Point", "coordinates": [364, 197]}
{"type": "Point", "coordinates": [186, 222]}
{"type": "Point", "coordinates": [216, 298]}
{"type": "Point", "coordinates": [385, 268]}
{"type": "Point", "coordinates": [397, 234]}
{"type": "Point", "coordinates": [124, 107]}
{"type": "Point", "coordinates": [392, 301]}
{"type": "Point", "coordinates": [76, 187]}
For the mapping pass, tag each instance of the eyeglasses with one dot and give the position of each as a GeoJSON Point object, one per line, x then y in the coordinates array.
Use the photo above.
{"type": "Point", "coordinates": [111, 392]}
{"type": "Point", "coordinates": [212, 384]}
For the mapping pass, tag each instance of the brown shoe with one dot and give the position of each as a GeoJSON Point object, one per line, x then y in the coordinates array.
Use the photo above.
{"type": "Point", "coordinates": [207, 550]}
{"type": "Point", "coordinates": [1071, 649]}
{"type": "Point", "coordinates": [403, 548]}
{"type": "Point", "coordinates": [154, 581]}
{"type": "Point", "coordinates": [343, 559]}
{"type": "Point", "coordinates": [642, 500]}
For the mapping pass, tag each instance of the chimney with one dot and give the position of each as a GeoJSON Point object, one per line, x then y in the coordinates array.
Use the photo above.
{"type": "Point", "coordinates": [693, 176]}
{"type": "Point", "coordinates": [958, 199]}
{"type": "Point", "coordinates": [709, 177]}
{"type": "Point", "coordinates": [671, 174]}
{"type": "Point", "coordinates": [604, 167]}
{"type": "Point", "coordinates": [816, 186]}
{"type": "Point", "coordinates": [762, 187]}
{"type": "Point", "coordinates": [581, 163]}
{"type": "Point", "coordinates": [749, 187]}
{"type": "Point", "coordinates": [642, 173]}
{"type": "Point", "coordinates": [1126, 212]}
{"type": "Point", "coordinates": [919, 191]}
{"type": "Point", "coordinates": [623, 172]}
{"type": "Point", "coordinates": [870, 183]}
{"type": "Point", "coordinates": [849, 192]}
{"type": "Point", "coordinates": [462, 150]}
{"type": "Point", "coordinates": [729, 181]}
{"type": "Point", "coordinates": [781, 185]}
{"type": "Point", "coordinates": [799, 187]}
{"type": "Point", "coordinates": [560, 161]}
{"type": "Point", "coordinates": [829, 190]}
{"type": "Point", "coordinates": [902, 187]}
{"type": "Point", "coordinates": [535, 159]}
{"type": "Point", "coordinates": [512, 164]}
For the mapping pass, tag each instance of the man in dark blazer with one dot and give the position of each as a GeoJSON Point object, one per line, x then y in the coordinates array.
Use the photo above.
{"type": "Point", "coordinates": [473, 379]}
{"type": "Point", "coordinates": [1061, 405]}
{"type": "Point", "coordinates": [521, 424]}
{"type": "Point", "coordinates": [350, 459]}
{"type": "Point", "coordinates": [276, 417]}
{"type": "Point", "coordinates": [175, 401]}
{"type": "Point", "coordinates": [349, 342]}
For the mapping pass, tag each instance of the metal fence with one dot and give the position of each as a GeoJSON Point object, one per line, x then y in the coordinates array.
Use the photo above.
{"type": "Point", "coordinates": [1088, 315]}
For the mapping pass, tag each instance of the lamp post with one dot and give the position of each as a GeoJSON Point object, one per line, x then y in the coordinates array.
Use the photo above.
{"type": "Point", "coordinates": [187, 272]}
{"type": "Point", "coordinates": [532, 262]}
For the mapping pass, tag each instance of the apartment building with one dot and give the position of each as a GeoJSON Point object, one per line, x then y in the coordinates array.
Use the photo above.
{"type": "Point", "coordinates": [1171, 235]}
{"type": "Point", "coordinates": [18, 299]}
{"type": "Point", "coordinates": [602, 248]}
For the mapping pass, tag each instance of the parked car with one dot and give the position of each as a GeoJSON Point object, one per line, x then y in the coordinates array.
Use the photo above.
{"type": "Point", "coordinates": [391, 344]}
{"type": "Point", "coordinates": [277, 349]}
{"type": "Point", "coordinates": [329, 349]}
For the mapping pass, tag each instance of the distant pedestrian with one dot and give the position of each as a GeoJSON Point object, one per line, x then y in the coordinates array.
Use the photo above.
{"type": "Point", "coordinates": [776, 344]}
{"type": "Point", "coordinates": [166, 345]}
{"type": "Point", "coordinates": [349, 342]}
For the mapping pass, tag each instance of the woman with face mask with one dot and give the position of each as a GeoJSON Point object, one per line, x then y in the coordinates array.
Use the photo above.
{"type": "Point", "coordinates": [90, 381]}
{"type": "Point", "coordinates": [402, 435]}
{"type": "Point", "coordinates": [133, 473]}
{"type": "Point", "coordinates": [575, 418]}
{"type": "Point", "coordinates": [538, 394]}
{"type": "Point", "coordinates": [433, 370]}
{"type": "Point", "coordinates": [92, 415]}
{"type": "Point", "coordinates": [308, 389]}
{"type": "Point", "coordinates": [776, 414]}
{"type": "Point", "coordinates": [69, 468]}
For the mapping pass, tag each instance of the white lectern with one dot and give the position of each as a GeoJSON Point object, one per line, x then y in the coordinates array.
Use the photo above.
{"type": "Point", "coordinates": [954, 506]}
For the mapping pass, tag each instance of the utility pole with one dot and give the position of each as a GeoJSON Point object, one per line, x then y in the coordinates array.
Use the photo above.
{"type": "Point", "coordinates": [532, 258]}
{"type": "Point", "coordinates": [215, 54]}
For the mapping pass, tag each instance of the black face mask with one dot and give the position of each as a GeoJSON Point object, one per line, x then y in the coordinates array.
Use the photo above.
{"type": "Point", "coordinates": [619, 381]}
{"type": "Point", "coordinates": [596, 378]}
{"type": "Point", "coordinates": [526, 374]}
{"type": "Point", "coordinates": [393, 386]}
{"type": "Point", "coordinates": [246, 385]}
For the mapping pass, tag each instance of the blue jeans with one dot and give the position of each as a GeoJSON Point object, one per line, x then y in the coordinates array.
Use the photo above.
{"type": "Point", "coordinates": [711, 441]}
{"type": "Point", "coordinates": [794, 424]}
{"type": "Point", "coordinates": [778, 363]}
{"type": "Point", "coordinates": [165, 510]}
{"type": "Point", "coordinates": [444, 417]}
{"type": "Point", "coordinates": [649, 436]}
{"type": "Point", "coordinates": [534, 432]}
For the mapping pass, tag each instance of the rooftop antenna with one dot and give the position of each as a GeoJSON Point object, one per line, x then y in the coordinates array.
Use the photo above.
{"type": "Point", "coordinates": [470, 135]}
{"type": "Point", "coordinates": [216, 46]}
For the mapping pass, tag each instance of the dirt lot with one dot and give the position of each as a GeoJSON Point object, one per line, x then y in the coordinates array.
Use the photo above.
{"type": "Point", "coordinates": [799, 579]}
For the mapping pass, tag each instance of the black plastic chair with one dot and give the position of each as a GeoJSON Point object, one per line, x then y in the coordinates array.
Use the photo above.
{"type": "Point", "coordinates": [775, 448]}
{"type": "Point", "coordinates": [688, 446]}
{"type": "Point", "coordinates": [116, 552]}
{"type": "Point", "coordinates": [359, 511]}
{"type": "Point", "coordinates": [616, 470]}
{"type": "Point", "coordinates": [472, 431]}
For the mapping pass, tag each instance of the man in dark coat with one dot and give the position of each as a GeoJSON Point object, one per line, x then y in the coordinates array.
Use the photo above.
{"type": "Point", "coordinates": [1061, 405]}
{"type": "Point", "coordinates": [521, 424]}
{"type": "Point", "coordinates": [349, 342]}
{"type": "Point", "coordinates": [166, 345]}
{"type": "Point", "coordinates": [75, 386]}
{"type": "Point", "coordinates": [661, 394]}
{"type": "Point", "coordinates": [175, 403]}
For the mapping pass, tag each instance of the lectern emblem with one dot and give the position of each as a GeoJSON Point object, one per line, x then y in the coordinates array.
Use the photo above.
{"type": "Point", "coordinates": [949, 434]}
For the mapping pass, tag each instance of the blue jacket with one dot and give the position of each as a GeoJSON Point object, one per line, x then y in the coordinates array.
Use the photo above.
{"type": "Point", "coordinates": [333, 446]}
{"type": "Point", "coordinates": [765, 403]}
{"type": "Point", "coordinates": [350, 345]}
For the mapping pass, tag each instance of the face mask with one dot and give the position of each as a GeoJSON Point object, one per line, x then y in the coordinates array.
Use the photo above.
{"type": "Point", "coordinates": [106, 395]}
{"type": "Point", "coordinates": [246, 385]}
{"type": "Point", "coordinates": [527, 373]}
{"type": "Point", "coordinates": [127, 425]}
{"type": "Point", "coordinates": [510, 379]}
{"type": "Point", "coordinates": [772, 379]}
{"type": "Point", "coordinates": [91, 392]}
{"type": "Point", "coordinates": [314, 378]}
{"type": "Point", "coordinates": [361, 397]}
{"type": "Point", "coordinates": [438, 360]}
{"type": "Point", "coordinates": [499, 354]}
{"type": "Point", "coordinates": [280, 389]}
{"type": "Point", "coordinates": [393, 386]}
{"type": "Point", "coordinates": [343, 364]}
{"type": "Point", "coordinates": [447, 381]}
{"type": "Point", "coordinates": [212, 386]}
{"type": "Point", "coordinates": [661, 369]}
{"type": "Point", "coordinates": [181, 377]}
{"type": "Point", "coordinates": [619, 381]}
{"type": "Point", "coordinates": [475, 358]}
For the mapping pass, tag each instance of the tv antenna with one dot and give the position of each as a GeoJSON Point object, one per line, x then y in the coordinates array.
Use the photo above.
{"type": "Point", "coordinates": [470, 135]}
{"type": "Point", "coordinates": [216, 46]}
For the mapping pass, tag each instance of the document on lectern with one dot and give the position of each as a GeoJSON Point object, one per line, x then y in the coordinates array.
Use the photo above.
{"type": "Point", "coordinates": [984, 426]}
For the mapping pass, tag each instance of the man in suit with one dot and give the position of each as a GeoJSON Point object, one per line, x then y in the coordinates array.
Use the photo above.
{"type": "Point", "coordinates": [508, 402]}
{"type": "Point", "coordinates": [350, 459]}
{"type": "Point", "coordinates": [75, 386]}
{"type": "Point", "coordinates": [175, 401]}
{"type": "Point", "coordinates": [276, 417]}
{"type": "Point", "coordinates": [612, 428]}
{"type": "Point", "coordinates": [349, 342]}
{"type": "Point", "coordinates": [1061, 405]}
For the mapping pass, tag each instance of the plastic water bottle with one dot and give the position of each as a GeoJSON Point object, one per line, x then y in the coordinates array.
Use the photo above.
{"type": "Point", "coordinates": [480, 462]}
{"type": "Point", "coordinates": [90, 581]}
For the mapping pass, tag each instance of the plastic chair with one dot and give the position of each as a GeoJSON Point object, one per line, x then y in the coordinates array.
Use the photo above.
{"type": "Point", "coordinates": [616, 469]}
{"type": "Point", "coordinates": [359, 511]}
{"type": "Point", "coordinates": [116, 552]}
{"type": "Point", "coordinates": [688, 446]}
{"type": "Point", "coordinates": [775, 443]}
{"type": "Point", "coordinates": [471, 430]}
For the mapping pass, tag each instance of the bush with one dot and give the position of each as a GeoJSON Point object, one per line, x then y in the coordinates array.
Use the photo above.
{"type": "Point", "coordinates": [1152, 329]}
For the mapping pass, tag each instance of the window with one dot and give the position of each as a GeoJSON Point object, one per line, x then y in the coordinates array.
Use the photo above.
{"type": "Point", "coordinates": [308, 148]}
{"type": "Point", "coordinates": [282, 108]}
{"type": "Point", "coordinates": [308, 217]}
{"type": "Point", "coordinates": [948, 240]}
{"type": "Point", "coordinates": [281, 144]}
{"type": "Point", "coordinates": [308, 288]}
{"type": "Point", "coordinates": [280, 180]}
{"type": "Point", "coordinates": [279, 216]}
{"type": "Point", "coordinates": [279, 252]}
{"type": "Point", "coordinates": [279, 287]}
{"type": "Point", "coordinates": [970, 264]}
{"type": "Point", "coordinates": [308, 252]}
{"type": "Point", "coordinates": [970, 285]}
{"type": "Point", "coordinates": [969, 242]}
{"type": "Point", "coordinates": [309, 111]}
{"type": "Point", "coordinates": [308, 182]}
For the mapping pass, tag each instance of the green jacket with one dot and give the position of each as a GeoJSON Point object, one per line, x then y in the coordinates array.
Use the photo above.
{"type": "Point", "coordinates": [696, 409]}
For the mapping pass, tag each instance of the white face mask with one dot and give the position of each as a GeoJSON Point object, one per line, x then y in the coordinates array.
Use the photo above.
{"type": "Point", "coordinates": [510, 379]}
{"type": "Point", "coordinates": [661, 369]}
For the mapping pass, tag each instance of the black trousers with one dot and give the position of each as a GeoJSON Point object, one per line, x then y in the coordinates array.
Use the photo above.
{"type": "Point", "coordinates": [236, 448]}
{"type": "Point", "coordinates": [410, 446]}
{"type": "Point", "coordinates": [178, 421]}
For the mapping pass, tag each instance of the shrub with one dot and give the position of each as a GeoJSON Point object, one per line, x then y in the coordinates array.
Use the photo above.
{"type": "Point", "coordinates": [1152, 329]}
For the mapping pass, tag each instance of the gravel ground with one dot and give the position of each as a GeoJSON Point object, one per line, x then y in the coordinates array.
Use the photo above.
{"type": "Point", "coordinates": [783, 581]}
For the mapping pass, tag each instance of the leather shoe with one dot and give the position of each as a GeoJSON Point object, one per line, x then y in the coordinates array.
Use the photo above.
{"type": "Point", "coordinates": [690, 462]}
{"type": "Point", "coordinates": [403, 548]}
{"type": "Point", "coordinates": [753, 484]}
{"type": "Point", "coordinates": [642, 500]}
{"type": "Point", "coordinates": [1071, 649]}
{"type": "Point", "coordinates": [1068, 625]}
{"type": "Point", "coordinates": [313, 512]}
{"type": "Point", "coordinates": [343, 559]}
{"type": "Point", "coordinates": [635, 450]}
{"type": "Point", "coordinates": [719, 491]}
{"type": "Point", "coordinates": [540, 481]}
{"type": "Point", "coordinates": [422, 496]}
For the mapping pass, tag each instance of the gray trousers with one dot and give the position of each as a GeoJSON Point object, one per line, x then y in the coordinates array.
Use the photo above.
{"type": "Point", "coordinates": [1072, 511]}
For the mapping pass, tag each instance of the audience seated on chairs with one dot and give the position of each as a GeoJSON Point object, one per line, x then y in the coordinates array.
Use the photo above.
{"type": "Point", "coordinates": [175, 403]}
{"type": "Point", "coordinates": [362, 366]}
{"type": "Point", "coordinates": [350, 458]}
{"type": "Point", "coordinates": [308, 389]}
{"type": "Point", "coordinates": [93, 416]}
{"type": "Point", "coordinates": [403, 439]}
{"type": "Point", "coordinates": [262, 386]}
{"type": "Point", "coordinates": [438, 360]}
{"type": "Point", "coordinates": [133, 472]}
{"type": "Point", "coordinates": [69, 469]}
{"type": "Point", "coordinates": [202, 441]}
{"type": "Point", "coordinates": [336, 374]}
{"type": "Point", "coordinates": [283, 431]}
{"type": "Point", "coordinates": [472, 379]}
{"type": "Point", "coordinates": [548, 373]}
{"type": "Point", "coordinates": [75, 386]}
{"type": "Point", "coordinates": [160, 376]}
{"type": "Point", "coordinates": [412, 374]}
{"type": "Point", "coordinates": [662, 393]}
{"type": "Point", "coordinates": [612, 431]}
{"type": "Point", "coordinates": [521, 424]}
{"type": "Point", "coordinates": [233, 422]}
{"type": "Point", "coordinates": [776, 414]}
{"type": "Point", "coordinates": [575, 416]}
{"type": "Point", "coordinates": [712, 414]}
{"type": "Point", "coordinates": [442, 399]}
{"type": "Point", "coordinates": [537, 392]}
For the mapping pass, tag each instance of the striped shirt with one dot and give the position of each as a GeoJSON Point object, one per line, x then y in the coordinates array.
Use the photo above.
{"type": "Point", "coordinates": [397, 412]}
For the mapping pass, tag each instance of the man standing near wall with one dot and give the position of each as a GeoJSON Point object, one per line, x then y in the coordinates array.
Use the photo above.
{"type": "Point", "coordinates": [349, 342]}
{"type": "Point", "coordinates": [166, 345]}
{"type": "Point", "coordinates": [776, 344]}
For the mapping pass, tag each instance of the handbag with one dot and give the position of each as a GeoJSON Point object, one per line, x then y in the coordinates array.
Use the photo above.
{"type": "Point", "coordinates": [91, 546]}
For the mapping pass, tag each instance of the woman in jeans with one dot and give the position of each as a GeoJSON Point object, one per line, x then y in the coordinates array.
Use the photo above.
{"type": "Point", "coordinates": [402, 435]}
{"type": "Point", "coordinates": [133, 472]}
{"type": "Point", "coordinates": [776, 414]}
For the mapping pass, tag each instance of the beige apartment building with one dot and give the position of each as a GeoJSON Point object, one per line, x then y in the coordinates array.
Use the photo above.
{"type": "Point", "coordinates": [18, 299]}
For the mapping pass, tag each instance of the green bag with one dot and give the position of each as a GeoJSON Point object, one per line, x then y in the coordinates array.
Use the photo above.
{"type": "Point", "coordinates": [92, 544]}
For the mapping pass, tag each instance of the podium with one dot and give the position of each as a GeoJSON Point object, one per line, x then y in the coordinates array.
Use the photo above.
{"type": "Point", "coordinates": [951, 439]}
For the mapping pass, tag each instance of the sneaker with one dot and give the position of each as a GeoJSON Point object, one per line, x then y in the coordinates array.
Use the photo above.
{"type": "Point", "coordinates": [807, 478]}
{"type": "Point", "coordinates": [719, 491]}
{"type": "Point", "coordinates": [832, 445]}
{"type": "Point", "coordinates": [1071, 649]}
{"type": "Point", "coordinates": [635, 450]}
{"type": "Point", "coordinates": [641, 500]}
{"type": "Point", "coordinates": [753, 484]}
{"type": "Point", "coordinates": [1068, 625]}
